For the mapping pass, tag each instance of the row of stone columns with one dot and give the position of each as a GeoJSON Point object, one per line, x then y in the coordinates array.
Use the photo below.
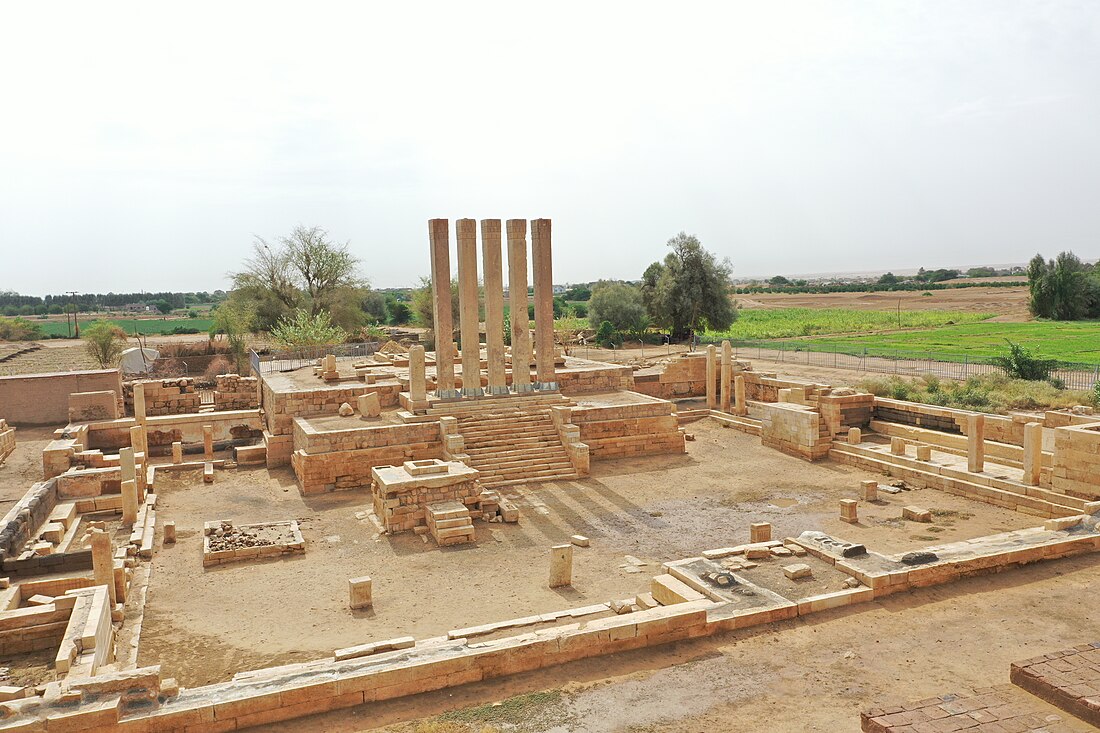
{"type": "Point", "coordinates": [730, 390]}
{"type": "Point", "coordinates": [466, 236]}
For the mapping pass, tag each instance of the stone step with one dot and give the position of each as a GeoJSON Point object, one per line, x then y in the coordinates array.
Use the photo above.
{"type": "Point", "coordinates": [523, 469]}
{"type": "Point", "coordinates": [549, 476]}
{"type": "Point", "coordinates": [495, 451]}
{"type": "Point", "coordinates": [511, 439]}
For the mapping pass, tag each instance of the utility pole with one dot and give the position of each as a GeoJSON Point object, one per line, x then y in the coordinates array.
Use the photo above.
{"type": "Point", "coordinates": [72, 300]}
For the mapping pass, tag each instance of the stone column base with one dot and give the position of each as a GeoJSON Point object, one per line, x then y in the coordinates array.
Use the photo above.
{"type": "Point", "coordinates": [523, 388]}
{"type": "Point", "coordinates": [546, 386]}
{"type": "Point", "coordinates": [448, 394]}
{"type": "Point", "coordinates": [472, 391]}
{"type": "Point", "coordinates": [497, 391]}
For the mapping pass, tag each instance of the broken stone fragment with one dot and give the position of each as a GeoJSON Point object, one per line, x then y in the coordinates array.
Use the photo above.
{"type": "Point", "coordinates": [346, 410]}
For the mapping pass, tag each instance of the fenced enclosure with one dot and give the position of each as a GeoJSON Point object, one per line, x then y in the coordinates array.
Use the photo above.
{"type": "Point", "coordinates": [291, 359]}
{"type": "Point", "coordinates": [1073, 375]}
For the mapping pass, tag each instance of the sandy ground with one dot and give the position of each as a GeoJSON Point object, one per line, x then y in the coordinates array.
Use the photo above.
{"type": "Point", "coordinates": [24, 466]}
{"type": "Point", "coordinates": [1010, 304]}
{"type": "Point", "coordinates": [203, 626]}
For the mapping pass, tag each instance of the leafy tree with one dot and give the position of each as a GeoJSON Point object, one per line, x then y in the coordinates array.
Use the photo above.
{"type": "Point", "coordinates": [690, 290]}
{"type": "Point", "coordinates": [1064, 289]}
{"type": "Point", "coordinates": [422, 304]}
{"type": "Point", "coordinates": [234, 318]}
{"type": "Point", "coordinates": [888, 279]}
{"type": "Point", "coordinates": [306, 329]}
{"type": "Point", "coordinates": [606, 335]}
{"type": "Point", "coordinates": [104, 342]}
{"type": "Point", "coordinates": [577, 293]}
{"type": "Point", "coordinates": [981, 272]}
{"type": "Point", "coordinates": [163, 306]}
{"type": "Point", "coordinates": [779, 281]}
{"type": "Point", "coordinates": [615, 302]}
{"type": "Point", "coordinates": [400, 313]}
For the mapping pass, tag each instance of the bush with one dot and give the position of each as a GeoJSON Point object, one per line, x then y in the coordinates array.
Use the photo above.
{"type": "Point", "coordinates": [303, 329]}
{"type": "Point", "coordinates": [987, 392]}
{"type": "Point", "coordinates": [19, 329]}
{"type": "Point", "coordinates": [104, 341]}
{"type": "Point", "coordinates": [1020, 363]}
{"type": "Point", "coordinates": [607, 336]}
{"type": "Point", "coordinates": [1096, 394]}
{"type": "Point", "coordinates": [616, 303]}
{"type": "Point", "coordinates": [218, 365]}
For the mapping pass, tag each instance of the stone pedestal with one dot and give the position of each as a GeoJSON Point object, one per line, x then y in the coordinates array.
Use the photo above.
{"type": "Point", "coordinates": [855, 436]}
{"type": "Point", "coordinates": [177, 452]}
{"type": "Point", "coordinates": [1033, 453]}
{"type": "Point", "coordinates": [466, 233]}
{"type": "Point", "coordinates": [712, 376]}
{"type": "Point", "coordinates": [742, 406]}
{"type": "Point", "coordinates": [359, 593]}
{"type": "Point", "coordinates": [208, 441]}
{"type": "Point", "coordinates": [542, 268]}
{"type": "Point", "coordinates": [561, 566]}
{"type": "Point", "coordinates": [868, 490]}
{"type": "Point", "coordinates": [760, 532]}
{"type": "Point", "coordinates": [169, 533]}
{"type": "Point", "coordinates": [492, 264]}
{"type": "Point", "coordinates": [517, 304]}
{"type": "Point", "coordinates": [848, 508]}
{"type": "Point", "coordinates": [975, 443]}
{"type": "Point", "coordinates": [439, 236]}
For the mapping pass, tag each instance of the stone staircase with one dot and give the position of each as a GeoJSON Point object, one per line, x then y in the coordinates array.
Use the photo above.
{"type": "Point", "coordinates": [511, 439]}
{"type": "Point", "coordinates": [449, 523]}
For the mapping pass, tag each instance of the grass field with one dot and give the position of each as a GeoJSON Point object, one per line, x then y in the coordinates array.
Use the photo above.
{"type": "Point", "coordinates": [1068, 341]}
{"type": "Point", "coordinates": [146, 326]}
{"type": "Point", "coordinates": [778, 323]}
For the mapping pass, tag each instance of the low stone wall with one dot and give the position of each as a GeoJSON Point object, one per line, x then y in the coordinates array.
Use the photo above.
{"type": "Point", "coordinates": [234, 427]}
{"type": "Point", "coordinates": [43, 399]}
{"type": "Point", "coordinates": [343, 459]}
{"type": "Point", "coordinates": [26, 516]}
{"type": "Point", "coordinates": [841, 412]}
{"type": "Point", "coordinates": [794, 429]}
{"type": "Point", "coordinates": [92, 406]}
{"type": "Point", "coordinates": [1075, 468]}
{"type": "Point", "coordinates": [234, 392]}
{"type": "Point", "coordinates": [164, 396]}
{"type": "Point", "coordinates": [599, 377]}
{"type": "Point", "coordinates": [280, 407]}
{"type": "Point", "coordinates": [615, 431]}
{"type": "Point", "coordinates": [7, 440]}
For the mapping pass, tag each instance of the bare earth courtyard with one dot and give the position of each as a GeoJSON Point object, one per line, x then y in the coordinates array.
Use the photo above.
{"type": "Point", "coordinates": [385, 537]}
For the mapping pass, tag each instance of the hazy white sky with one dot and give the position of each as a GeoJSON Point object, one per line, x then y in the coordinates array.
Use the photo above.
{"type": "Point", "coordinates": [142, 145]}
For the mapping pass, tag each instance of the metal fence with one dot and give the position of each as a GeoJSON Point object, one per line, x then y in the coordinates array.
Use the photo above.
{"type": "Point", "coordinates": [291, 359]}
{"type": "Point", "coordinates": [896, 361]}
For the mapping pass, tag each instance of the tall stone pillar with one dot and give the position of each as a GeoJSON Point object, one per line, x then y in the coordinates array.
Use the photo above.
{"type": "Point", "coordinates": [417, 379]}
{"type": "Point", "coordinates": [103, 563]}
{"type": "Point", "coordinates": [542, 267]}
{"type": "Point", "coordinates": [1033, 452]}
{"type": "Point", "coordinates": [139, 440]}
{"type": "Point", "coordinates": [517, 304]}
{"type": "Point", "coordinates": [440, 237]}
{"type": "Point", "coordinates": [727, 375]}
{"type": "Point", "coordinates": [129, 503]}
{"type": "Point", "coordinates": [466, 233]}
{"type": "Point", "coordinates": [126, 461]}
{"type": "Point", "coordinates": [494, 304]}
{"type": "Point", "coordinates": [712, 376]}
{"type": "Point", "coordinates": [975, 443]}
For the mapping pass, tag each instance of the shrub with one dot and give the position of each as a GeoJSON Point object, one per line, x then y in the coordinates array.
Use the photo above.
{"type": "Point", "coordinates": [218, 365]}
{"type": "Point", "coordinates": [987, 392]}
{"type": "Point", "coordinates": [1096, 394]}
{"type": "Point", "coordinates": [104, 341]}
{"type": "Point", "coordinates": [303, 329]}
{"type": "Point", "coordinates": [1020, 363]}
{"type": "Point", "coordinates": [607, 336]}
{"type": "Point", "coordinates": [19, 329]}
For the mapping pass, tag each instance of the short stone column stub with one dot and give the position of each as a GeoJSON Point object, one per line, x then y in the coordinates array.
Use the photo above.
{"type": "Point", "coordinates": [561, 566]}
{"type": "Point", "coordinates": [440, 240]}
{"type": "Point", "coordinates": [1033, 453]}
{"type": "Point", "coordinates": [139, 402]}
{"type": "Point", "coordinates": [417, 378]}
{"type": "Point", "coordinates": [492, 265]}
{"type": "Point", "coordinates": [103, 562]}
{"type": "Point", "coordinates": [520, 325]}
{"type": "Point", "coordinates": [975, 443]}
{"type": "Point", "coordinates": [742, 406]}
{"type": "Point", "coordinates": [126, 461]}
{"type": "Point", "coordinates": [177, 452]}
{"type": "Point", "coordinates": [360, 593]}
{"type": "Point", "coordinates": [542, 267]}
{"type": "Point", "coordinates": [129, 502]}
{"type": "Point", "coordinates": [468, 322]}
{"type": "Point", "coordinates": [208, 441]}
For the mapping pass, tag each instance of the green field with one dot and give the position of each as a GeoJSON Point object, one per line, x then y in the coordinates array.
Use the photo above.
{"type": "Point", "coordinates": [1077, 341]}
{"type": "Point", "coordinates": [794, 322]}
{"type": "Point", "coordinates": [145, 326]}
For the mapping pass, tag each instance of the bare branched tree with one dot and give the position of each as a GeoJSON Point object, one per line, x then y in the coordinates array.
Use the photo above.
{"type": "Point", "coordinates": [302, 270]}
